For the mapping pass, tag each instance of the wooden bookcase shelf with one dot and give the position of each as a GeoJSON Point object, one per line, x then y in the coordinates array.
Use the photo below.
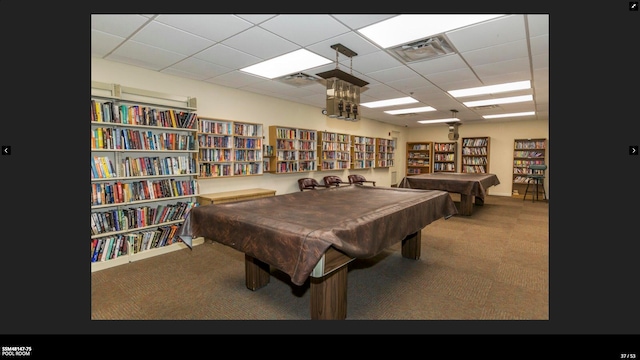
{"type": "Point", "coordinates": [444, 157]}
{"type": "Point", "coordinates": [294, 150]}
{"type": "Point", "coordinates": [385, 154]}
{"type": "Point", "coordinates": [143, 173]}
{"type": "Point", "coordinates": [419, 157]}
{"type": "Point", "coordinates": [526, 152]}
{"type": "Point", "coordinates": [475, 154]}
{"type": "Point", "coordinates": [363, 152]}
{"type": "Point", "coordinates": [334, 150]}
{"type": "Point", "coordinates": [229, 148]}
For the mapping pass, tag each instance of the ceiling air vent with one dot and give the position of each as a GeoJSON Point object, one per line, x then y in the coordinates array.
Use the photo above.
{"type": "Point", "coordinates": [424, 49]}
{"type": "Point", "coordinates": [298, 80]}
{"type": "Point", "coordinates": [484, 107]}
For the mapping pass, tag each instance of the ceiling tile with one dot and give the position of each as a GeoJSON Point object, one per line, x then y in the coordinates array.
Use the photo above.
{"type": "Point", "coordinates": [120, 25]}
{"type": "Point", "coordinates": [506, 68]}
{"type": "Point", "coordinates": [489, 33]}
{"type": "Point", "coordinates": [439, 64]}
{"type": "Point", "coordinates": [171, 39]}
{"type": "Point", "coordinates": [213, 27]}
{"type": "Point", "coordinates": [304, 29]}
{"type": "Point", "coordinates": [235, 79]}
{"type": "Point", "coordinates": [201, 68]}
{"type": "Point", "coordinates": [260, 43]}
{"type": "Point", "coordinates": [358, 21]}
{"type": "Point", "coordinates": [103, 43]}
{"type": "Point", "coordinates": [227, 57]}
{"type": "Point", "coordinates": [148, 57]}
{"type": "Point", "coordinates": [495, 54]}
{"type": "Point", "coordinates": [255, 18]}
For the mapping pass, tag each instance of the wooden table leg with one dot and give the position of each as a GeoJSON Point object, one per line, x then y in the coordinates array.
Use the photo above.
{"type": "Point", "coordinates": [329, 295]}
{"type": "Point", "coordinates": [257, 273]}
{"type": "Point", "coordinates": [411, 246]}
{"type": "Point", "coordinates": [466, 204]}
{"type": "Point", "coordinates": [479, 201]}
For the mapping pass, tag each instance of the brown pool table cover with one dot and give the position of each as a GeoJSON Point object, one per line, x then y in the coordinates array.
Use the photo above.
{"type": "Point", "coordinates": [292, 231]}
{"type": "Point", "coordinates": [460, 183]}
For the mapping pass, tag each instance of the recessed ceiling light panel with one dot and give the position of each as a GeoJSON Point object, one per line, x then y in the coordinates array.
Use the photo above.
{"type": "Point", "coordinates": [290, 63]}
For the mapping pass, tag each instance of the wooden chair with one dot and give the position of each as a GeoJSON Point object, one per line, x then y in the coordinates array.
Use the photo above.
{"type": "Point", "coordinates": [309, 184]}
{"type": "Point", "coordinates": [359, 179]}
{"type": "Point", "coordinates": [535, 178]}
{"type": "Point", "coordinates": [333, 180]}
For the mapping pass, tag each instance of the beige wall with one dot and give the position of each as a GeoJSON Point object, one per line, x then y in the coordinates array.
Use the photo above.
{"type": "Point", "coordinates": [225, 103]}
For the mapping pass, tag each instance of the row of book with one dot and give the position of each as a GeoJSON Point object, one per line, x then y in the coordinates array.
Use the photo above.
{"type": "Point", "coordinates": [246, 169]}
{"type": "Point", "coordinates": [528, 154]}
{"type": "Point", "coordinates": [336, 155]}
{"type": "Point", "coordinates": [444, 157]}
{"type": "Point", "coordinates": [449, 167]}
{"type": "Point", "coordinates": [215, 127]}
{"type": "Point", "coordinates": [475, 142]}
{"type": "Point", "coordinates": [530, 144]}
{"type": "Point", "coordinates": [150, 166]}
{"type": "Point", "coordinates": [444, 147]}
{"type": "Point", "coordinates": [126, 192]}
{"type": "Point", "coordinates": [420, 147]}
{"type": "Point", "coordinates": [418, 162]}
{"type": "Point", "coordinates": [363, 164]}
{"type": "Point", "coordinates": [474, 161]}
{"type": "Point", "coordinates": [133, 218]}
{"type": "Point", "coordinates": [364, 148]}
{"type": "Point", "coordinates": [102, 166]}
{"type": "Point", "coordinates": [130, 139]}
{"type": "Point", "coordinates": [482, 151]}
{"type": "Point", "coordinates": [114, 246]}
{"type": "Point", "coordinates": [474, 169]}
{"type": "Point", "coordinates": [212, 141]}
{"type": "Point", "coordinates": [363, 140]}
{"type": "Point", "coordinates": [112, 112]}
{"type": "Point", "coordinates": [247, 143]}
{"type": "Point", "coordinates": [342, 138]}
{"type": "Point", "coordinates": [525, 163]}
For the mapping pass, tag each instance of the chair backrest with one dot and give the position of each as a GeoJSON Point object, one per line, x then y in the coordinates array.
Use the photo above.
{"type": "Point", "coordinates": [308, 184]}
{"type": "Point", "coordinates": [356, 179]}
{"type": "Point", "coordinates": [332, 180]}
{"type": "Point", "coordinates": [359, 179]}
{"type": "Point", "coordinates": [537, 170]}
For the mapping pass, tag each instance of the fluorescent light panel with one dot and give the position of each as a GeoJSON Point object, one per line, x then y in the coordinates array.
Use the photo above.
{"type": "Point", "coordinates": [507, 100]}
{"type": "Point", "coordinates": [491, 89]}
{"type": "Point", "coordinates": [405, 28]}
{"type": "Point", "coordinates": [509, 115]}
{"type": "Point", "coordinates": [409, 111]}
{"type": "Point", "coordinates": [286, 64]}
{"type": "Point", "coordinates": [448, 120]}
{"type": "Point", "coordinates": [390, 102]}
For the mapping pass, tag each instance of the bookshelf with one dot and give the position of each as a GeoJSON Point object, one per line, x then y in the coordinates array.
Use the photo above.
{"type": "Point", "coordinates": [419, 157]}
{"type": "Point", "coordinates": [143, 173]}
{"type": "Point", "coordinates": [229, 148]}
{"type": "Point", "coordinates": [247, 149]}
{"type": "Point", "coordinates": [385, 152]}
{"type": "Point", "coordinates": [475, 154]}
{"type": "Point", "coordinates": [334, 150]}
{"type": "Point", "coordinates": [444, 157]}
{"type": "Point", "coordinates": [526, 152]}
{"type": "Point", "coordinates": [267, 154]}
{"type": "Point", "coordinates": [294, 150]}
{"type": "Point", "coordinates": [363, 152]}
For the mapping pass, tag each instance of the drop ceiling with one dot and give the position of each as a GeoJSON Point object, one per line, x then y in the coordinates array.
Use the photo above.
{"type": "Point", "coordinates": [213, 47]}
